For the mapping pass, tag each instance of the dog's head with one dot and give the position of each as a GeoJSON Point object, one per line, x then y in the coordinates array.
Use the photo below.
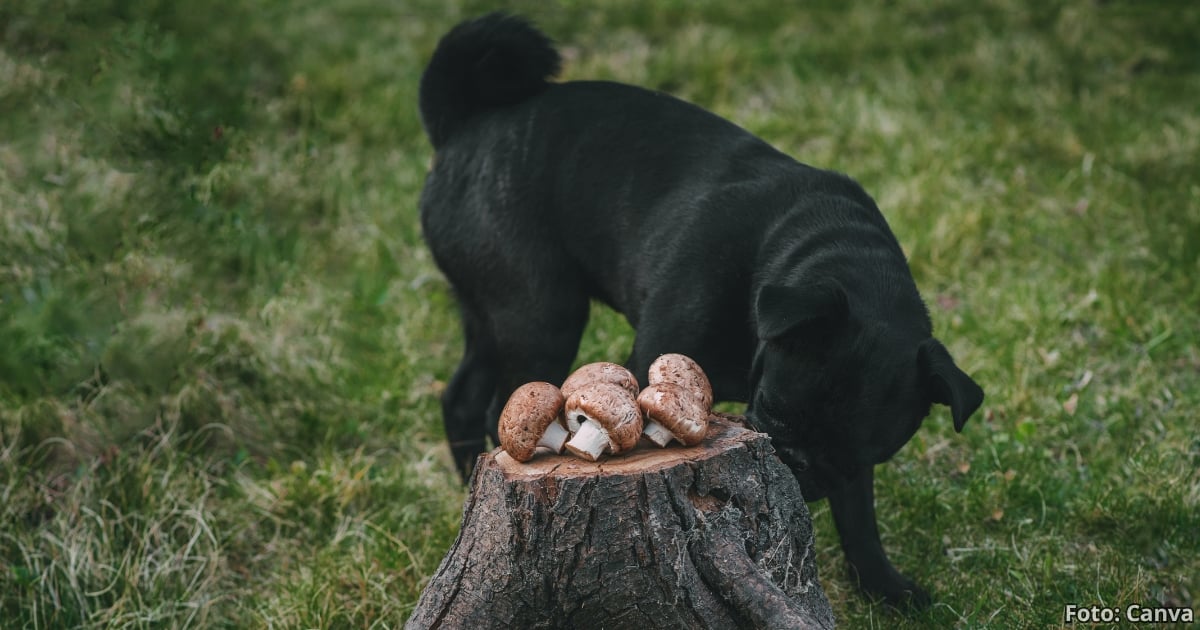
{"type": "Point", "coordinates": [839, 392]}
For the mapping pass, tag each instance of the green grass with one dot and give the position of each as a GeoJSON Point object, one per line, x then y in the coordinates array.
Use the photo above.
{"type": "Point", "coordinates": [222, 339]}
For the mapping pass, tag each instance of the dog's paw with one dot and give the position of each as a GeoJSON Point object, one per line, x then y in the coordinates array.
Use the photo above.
{"type": "Point", "coordinates": [910, 598]}
{"type": "Point", "coordinates": [898, 592]}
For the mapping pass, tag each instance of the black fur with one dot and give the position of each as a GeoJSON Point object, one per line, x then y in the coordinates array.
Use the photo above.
{"type": "Point", "coordinates": [782, 280]}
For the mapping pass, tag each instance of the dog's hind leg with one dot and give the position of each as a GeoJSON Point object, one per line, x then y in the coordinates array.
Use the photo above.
{"type": "Point", "coordinates": [509, 342]}
{"type": "Point", "coordinates": [469, 393]}
{"type": "Point", "coordinates": [537, 338]}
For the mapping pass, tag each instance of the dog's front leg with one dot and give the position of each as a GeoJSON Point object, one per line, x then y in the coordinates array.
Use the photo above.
{"type": "Point", "coordinates": [853, 507]}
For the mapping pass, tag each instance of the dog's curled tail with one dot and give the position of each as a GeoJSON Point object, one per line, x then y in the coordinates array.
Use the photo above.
{"type": "Point", "coordinates": [491, 61]}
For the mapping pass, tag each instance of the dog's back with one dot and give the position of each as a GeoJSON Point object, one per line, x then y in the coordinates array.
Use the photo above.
{"type": "Point", "coordinates": [612, 182]}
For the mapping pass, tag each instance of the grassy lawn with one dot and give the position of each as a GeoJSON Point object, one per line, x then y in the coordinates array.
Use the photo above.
{"type": "Point", "coordinates": [222, 339]}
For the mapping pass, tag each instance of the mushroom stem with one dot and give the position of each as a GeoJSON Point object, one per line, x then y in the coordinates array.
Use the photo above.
{"type": "Point", "coordinates": [590, 441]}
{"type": "Point", "coordinates": [554, 437]}
{"type": "Point", "coordinates": [572, 424]}
{"type": "Point", "coordinates": [657, 433]}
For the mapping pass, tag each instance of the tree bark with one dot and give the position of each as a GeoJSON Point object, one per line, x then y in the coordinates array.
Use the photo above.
{"type": "Point", "coordinates": [713, 536]}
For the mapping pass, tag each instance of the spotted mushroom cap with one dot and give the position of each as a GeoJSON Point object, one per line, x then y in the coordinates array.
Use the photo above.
{"type": "Point", "coordinates": [613, 407]}
{"type": "Point", "coordinates": [529, 410]}
{"type": "Point", "coordinates": [602, 372]}
{"type": "Point", "coordinates": [685, 372]}
{"type": "Point", "coordinates": [677, 409]}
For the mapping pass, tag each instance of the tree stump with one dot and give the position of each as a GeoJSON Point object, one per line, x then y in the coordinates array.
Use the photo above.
{"type": "Point", "coordinates": [713, 536]}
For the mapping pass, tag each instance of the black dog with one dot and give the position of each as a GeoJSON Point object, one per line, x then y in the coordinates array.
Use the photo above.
{"type": "Point", "coordinates": [782, 280]}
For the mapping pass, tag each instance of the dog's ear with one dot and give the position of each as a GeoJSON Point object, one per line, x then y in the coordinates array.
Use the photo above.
{"type": "Point", "coordinates": [785, 311]}
{"type": "Point", "coordinates": [947, 384]}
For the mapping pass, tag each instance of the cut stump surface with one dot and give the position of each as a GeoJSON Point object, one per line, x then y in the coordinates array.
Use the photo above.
{"type": "Point", "coordinates": [712, 536]}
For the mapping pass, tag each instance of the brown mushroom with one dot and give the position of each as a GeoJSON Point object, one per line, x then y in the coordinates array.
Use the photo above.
{"type": "Point", "coordinates": [609, 420]}
{"type": "Point", "coordinates": [673, 412]}
{"type": "Point", "coordinates": [682, 370]}
{"type": "Point", "coordinates": [532, 418]}
{"type": "Point", "coordinates": [601, 372]}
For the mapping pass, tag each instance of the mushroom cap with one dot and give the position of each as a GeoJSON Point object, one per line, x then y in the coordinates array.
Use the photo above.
{"type": "Point", "coordinates": [601, 372]}
{"type": "Point", "coordinates": [529, 410]}
{"type": "Point", "coordinates": [613, 407]}
{"type": "Point", "coordinates": [677, 409]}
{"type": "Point", "coordinates": [682, 370]}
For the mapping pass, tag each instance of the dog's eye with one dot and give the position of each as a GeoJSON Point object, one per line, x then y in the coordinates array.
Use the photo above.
{"type": "Point", "coordinates": [768, 404]}
{"type": "Point", "coordinates": [779, 425]}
